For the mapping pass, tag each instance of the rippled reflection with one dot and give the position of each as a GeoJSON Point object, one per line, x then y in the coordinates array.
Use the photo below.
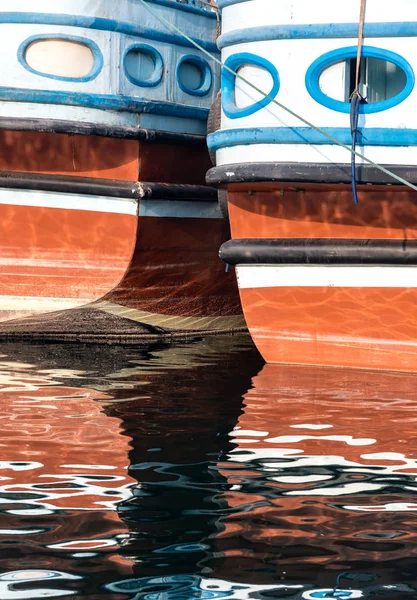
{"type": "Point", "coordinates": [172, 473]}
{"type": "Point", "coordinates": [72, 421]}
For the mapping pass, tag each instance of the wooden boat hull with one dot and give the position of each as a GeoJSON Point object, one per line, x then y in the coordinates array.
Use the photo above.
{"type": "Point", "coordinates": [61, 251]}
{"type": "Point", "coordinates": [343, 313]}
{"type": "Point", "coordinates": [313, 294]}
{"type": "Point", "coordinates": [151, 261]}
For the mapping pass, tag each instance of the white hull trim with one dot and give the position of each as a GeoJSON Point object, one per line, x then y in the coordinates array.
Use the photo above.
{"type": "Point", "coordinates": [41, 199]}
{"type": "Point", "coordinates": [366, 276]}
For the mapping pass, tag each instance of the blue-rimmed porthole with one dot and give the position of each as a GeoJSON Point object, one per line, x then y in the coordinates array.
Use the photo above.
{"type": "Point", "coordinates": [386, 79]}
{"type": "Point", "coordinates": [62, 57]}
{"type": "Point", "coordinates": [194, 75]}
{"type": "Point", "coordinates": [236, 95]}
{"type": "Point", "coordinates": [143, 65]}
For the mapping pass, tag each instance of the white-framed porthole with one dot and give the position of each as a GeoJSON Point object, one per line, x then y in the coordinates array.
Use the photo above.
{"type": "Point", "coordinates": [62, 57]}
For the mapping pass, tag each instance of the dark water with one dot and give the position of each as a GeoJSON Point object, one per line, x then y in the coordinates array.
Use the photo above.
{"type": "Point", "coordinates": [195, 471]}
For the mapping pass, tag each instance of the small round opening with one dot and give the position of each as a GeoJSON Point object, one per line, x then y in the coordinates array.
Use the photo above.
{"type": "Point", "coordinates": [191, 75]}
{"type": "Point", "coordinates": [194, 76]}
{"type": "Point", "coordinates": [143, 65]}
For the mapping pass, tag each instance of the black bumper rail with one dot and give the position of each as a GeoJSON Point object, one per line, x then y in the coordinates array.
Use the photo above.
{"type": "Point", "coordinates": [120, 132]}
{"type": "Point", "coordinates": [319, 252]}
{"type": "Point", "coordinates": [111, 188]}
{"type": "Point", "coordinates": [300, 173]}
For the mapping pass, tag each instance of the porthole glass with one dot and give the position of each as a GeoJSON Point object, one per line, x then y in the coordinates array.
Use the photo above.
{"type": "Point", "coordinates": [379, 80]}
{"type": "Point", "coordinates": [245, 95]}
{"type": "Point", "coordinates": [239, 99]}
{"type": "Point", "coordinates": [143, 65]}
{"type": "Point", "coordinates": [190, 75]}
{"type": "Point", "coordinates": [386, 79]}
{"type": "Point", "coordinates": [61, 58]}
{"type": "Point", "coordinates": [194, 75]}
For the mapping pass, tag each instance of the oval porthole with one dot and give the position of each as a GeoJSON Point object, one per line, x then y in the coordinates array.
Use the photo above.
{"type": "Point", "coordinates": [143, 65]}
{"type": "Point", "coordinates": [194, 75]}
{"type": "Point", "coordinates": [67, 58]}
{"type": "Point", "coordinates": [239, 99]}
{"type": "Point", "coordinates": [386, 79]}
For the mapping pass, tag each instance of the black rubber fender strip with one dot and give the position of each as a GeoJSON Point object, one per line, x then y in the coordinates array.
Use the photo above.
{"type": "Point", "coordinates": [106, 187]}
{"type": "Point", "coordinates": [306, 173]}
{"type": "Point", "coordinates": [319, 252]}
{"type": "Point", "coordinates": [79, 128]}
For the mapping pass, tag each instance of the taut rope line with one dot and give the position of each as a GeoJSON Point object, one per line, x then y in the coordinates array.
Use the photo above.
{"type": "Point", "coordinates": [355, 103]}
{"type": "Point", "coordinates": [274, 101]}
{"type": "Point", "coordinates": [360, 45]}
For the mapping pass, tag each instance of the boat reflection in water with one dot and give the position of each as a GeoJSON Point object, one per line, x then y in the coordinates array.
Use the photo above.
{"type": "Point", "coordinates": [139, 475]}
{"type": "Point", "coordinates": [72, 419]}
{"type": "Point", "coordinates": [315, 497]}
{"type": "Point", "coordinates": [322, 483]}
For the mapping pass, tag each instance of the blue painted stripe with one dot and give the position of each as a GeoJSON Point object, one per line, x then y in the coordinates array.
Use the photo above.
{"type": "Point", "coordinates": [103, 102]}
{"type": "Point", "coordinates": [224, 3]}
{"type": "Point", "coordinates": [306, 135]}
{"type": "Point", "coordinates": [191, 8]}
{"type": "Point", "coordinates": [319, 31]}
{"type": "Point", "coordinates": [101, 24]}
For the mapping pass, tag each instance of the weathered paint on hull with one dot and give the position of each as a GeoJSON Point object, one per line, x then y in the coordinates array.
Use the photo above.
{"type": "Point", "coordinates": [176, 271]}
{"type": "Point", "coordinates": [102, 157]}
{"type": "Point", "coordinates": [157, 263]}
{"type": "Point", "coordinates": [56, 258]}
{"type": "Point", "coordinates": [317, 212]}
{"type": "Point", "coordinates": [360, 318]}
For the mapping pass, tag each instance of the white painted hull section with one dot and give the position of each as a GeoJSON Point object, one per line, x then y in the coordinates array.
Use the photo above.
{"type": "Point", "coordinates": [34, 198]}
{"type": "Point", "coordinates": [293, 58]}
{"type": "Point", "coordinates": [270, 276]}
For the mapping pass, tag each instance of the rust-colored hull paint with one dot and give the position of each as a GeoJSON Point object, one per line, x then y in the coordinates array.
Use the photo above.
{"type": "Point", "coordinates": [63, 154]}
{"type": "Point", "coordinates": [102, 157]}
{"type": "Point", "coordinates": [372, 328]}
{"type": "Point", "coordinates": [347, 427]}
{"type": "Point", "coordinates": [176, 270]}
{"type": "Point", "coordinates": [173, 163]}
{"type": "Point", "coordinates": [348, 327]}
{"type": "Point", "coordinates": [317, 213]}
{"type": "Point", "coordinates": [166, 266]}
{"type": "Point", "coordinates": [61, 253]}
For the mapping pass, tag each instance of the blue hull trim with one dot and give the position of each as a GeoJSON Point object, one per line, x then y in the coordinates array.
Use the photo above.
{"type": "Point", "coordinates": [306, 135]}
{"type": "Point", "coordinates": [100, 24]}
{"type": "Point", "coordinates": [103, 102]}
{"type": "Point", "coordinates": [319, 31]}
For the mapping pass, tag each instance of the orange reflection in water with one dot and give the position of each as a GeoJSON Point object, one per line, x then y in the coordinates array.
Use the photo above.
{"type": "Point", "coordinates": [63, 470]}
{"type": "Point", "coordinates": [323, 476]}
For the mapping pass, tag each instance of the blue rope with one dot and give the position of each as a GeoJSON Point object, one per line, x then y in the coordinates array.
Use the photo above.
{"type": "Point", "coordinates": [355, 104]}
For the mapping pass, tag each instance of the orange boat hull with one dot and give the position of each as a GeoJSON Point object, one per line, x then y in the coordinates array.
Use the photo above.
{"type": "Point", "coordinates": [91, 230]}
{"type": "Point", "coordinates": [357, 317]}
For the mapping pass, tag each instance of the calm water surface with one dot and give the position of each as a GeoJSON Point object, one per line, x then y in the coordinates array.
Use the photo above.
{"type": "Point", "coordinates": [195, 471]}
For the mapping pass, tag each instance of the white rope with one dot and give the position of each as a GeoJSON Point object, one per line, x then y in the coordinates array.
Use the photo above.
{"type": "Point", "coordinates": [274, 101]}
